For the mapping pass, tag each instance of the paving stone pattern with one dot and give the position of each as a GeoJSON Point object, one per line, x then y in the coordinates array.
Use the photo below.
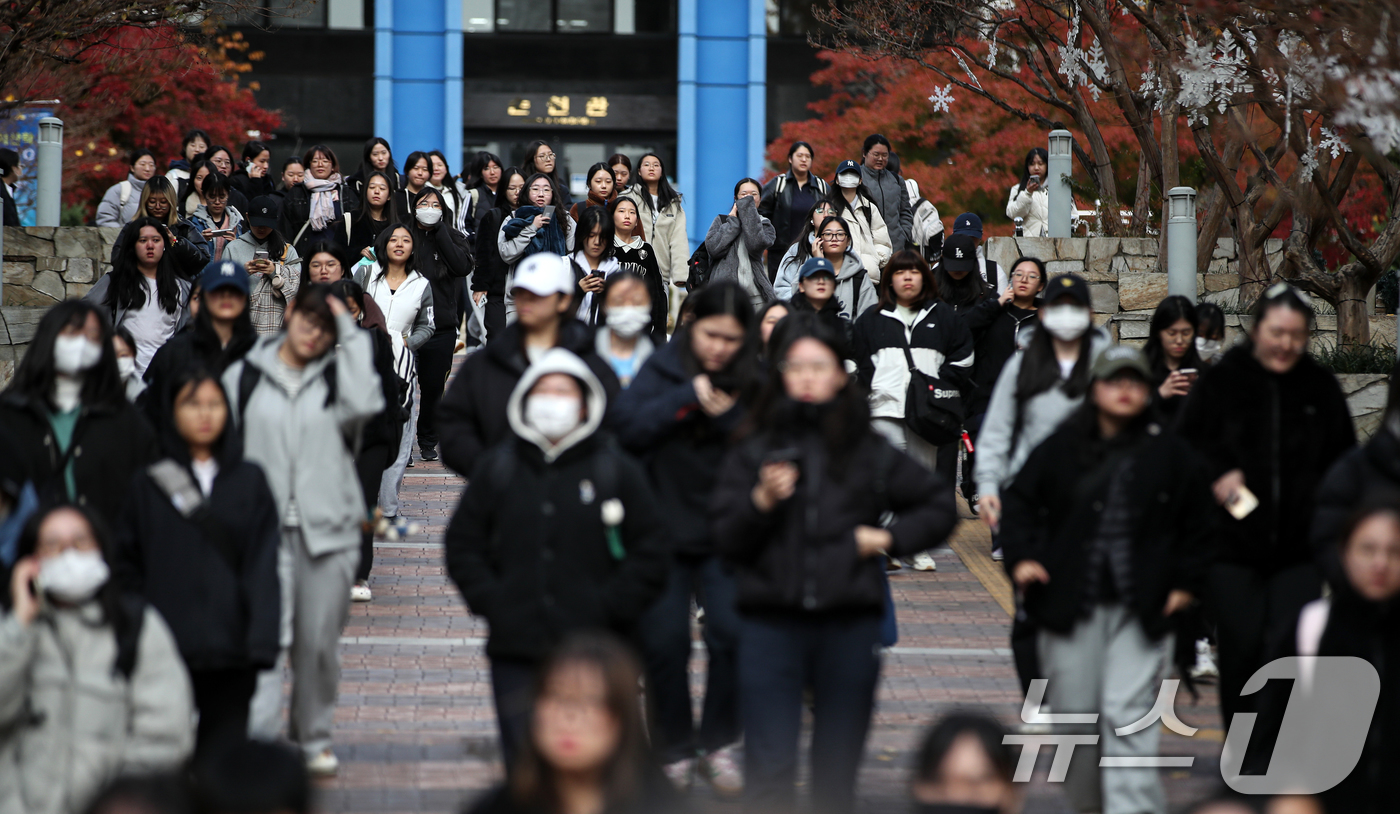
{"type": "Point", "coordinates": [415, 727]}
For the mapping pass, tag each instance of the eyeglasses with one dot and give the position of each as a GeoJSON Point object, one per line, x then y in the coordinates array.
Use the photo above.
{"type": "Point", "coordinates": [833, 235]}
{"type": "Point", "coordinates": [544, 156]}
{"type": "Point", "coordinates": [1026, 277]}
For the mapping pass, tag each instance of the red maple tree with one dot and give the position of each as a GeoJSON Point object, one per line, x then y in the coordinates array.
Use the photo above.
{"type": "Point", "coordinates": [144, 88]}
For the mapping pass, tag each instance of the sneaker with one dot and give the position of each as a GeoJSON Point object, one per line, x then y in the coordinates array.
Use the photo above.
{"type": "Point", "coordinates": [680, 773]}
{"type": "Point", "coordinates": [997, 556]}
{"type": "Point", "coordinates": [723, 772]}
{"type": "Point", "coordinates": [1205, 662]}
{"type": "Point", "coordinates": [359, 592]}
{"type": "Point", "coordinates": [923, 561]}
{"type": "Point", "coordinates": [410, 462]}
{"type": "Point", "coordinates": [324, 764]}
{"type": "Point", "coordinates": [428, 453]}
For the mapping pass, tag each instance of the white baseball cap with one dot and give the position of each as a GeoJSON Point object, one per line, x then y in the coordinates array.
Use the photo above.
{"type": "Point", "coordinates": [544, 274]}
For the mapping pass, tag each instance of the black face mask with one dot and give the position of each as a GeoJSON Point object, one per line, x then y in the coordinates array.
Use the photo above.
{"type": "Point", "coordinates": [951, 808]}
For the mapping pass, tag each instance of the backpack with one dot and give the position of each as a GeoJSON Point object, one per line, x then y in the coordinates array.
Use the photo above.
{"type": "Point", "coordinates": [125, 194]}
{"type": "Point", "coordinates": [249, 377]}
{"type": "Point", "coordinates": [699, 265]}
{"type": "Point", "coordinates": [502, 465]}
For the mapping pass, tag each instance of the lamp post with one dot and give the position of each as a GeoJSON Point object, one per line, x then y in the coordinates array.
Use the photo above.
{"type": "Point", "coordinates": [50, 171]}
{"type": "Point", "coordinates": [1181, 242]}
{"type": "Point", "coordinates": [1057, 185]}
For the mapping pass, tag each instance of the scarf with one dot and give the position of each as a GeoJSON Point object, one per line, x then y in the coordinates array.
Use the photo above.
{"type": "Point", "coordinates": [324, 194]}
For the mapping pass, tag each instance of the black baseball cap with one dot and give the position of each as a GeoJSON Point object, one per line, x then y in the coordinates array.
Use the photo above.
{"type": "Point", "coordinates": [263, 212]}
{"type": "Point", "coordinates": [960, 253]}
{"type": "Point", "coordinates": [1067, 285]}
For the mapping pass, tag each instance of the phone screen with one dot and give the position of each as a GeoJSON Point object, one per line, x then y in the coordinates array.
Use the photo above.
{"type": "Point", "coordinates": [549, 211]}
{"type": "Point", "coordinates": [260, 254]}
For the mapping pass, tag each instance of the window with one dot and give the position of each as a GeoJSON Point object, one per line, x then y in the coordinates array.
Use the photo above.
{"type": "Point", "coordinates": [284, 14]}
{"type": "Point", "coordinates": [555, 16]}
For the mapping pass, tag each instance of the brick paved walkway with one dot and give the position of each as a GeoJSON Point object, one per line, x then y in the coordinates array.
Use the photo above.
{"type": "Point", "coordinates": [415, 728]}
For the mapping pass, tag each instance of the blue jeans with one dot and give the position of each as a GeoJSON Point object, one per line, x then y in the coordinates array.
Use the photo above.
{"type": "Point", "coordinates": [665, 632]}
{"type": "Point", "coordinates": [780, 656]}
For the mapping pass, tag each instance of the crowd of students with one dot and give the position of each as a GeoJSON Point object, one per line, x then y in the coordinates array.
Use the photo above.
{"type": "Point", "coordinates": [755, 434]}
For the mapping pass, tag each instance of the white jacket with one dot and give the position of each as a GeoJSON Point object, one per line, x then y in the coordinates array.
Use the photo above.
{"type": "Point", "coordinates": [869, 237]}
{"type": "Point", "coordinates": [408, 312]}
{"type": "Point", "coordinates": [1033, 208]}
{"type": "Point", "coordinates": [69, 723]}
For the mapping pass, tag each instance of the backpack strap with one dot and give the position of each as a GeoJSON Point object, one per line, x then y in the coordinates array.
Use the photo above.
{"type": "Point", "coordinates": [125, 192]}
{"type": "Point", "coordinates": [782, 184]}
{"type": "Point", "coordinates": [248, 379]}
{"type": "Point", "coordinates": [177, 485]}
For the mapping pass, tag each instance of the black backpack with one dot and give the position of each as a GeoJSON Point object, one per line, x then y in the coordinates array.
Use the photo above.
{"type": "Point", "coordinates": [699, 265]}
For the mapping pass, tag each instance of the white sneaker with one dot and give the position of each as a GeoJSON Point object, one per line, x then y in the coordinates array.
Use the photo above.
{"type": "Point", "coordinates": [997, 556]}
{"type": "Point", "coordinates": [1205, 662]}
{"type": "Point", "coordinates": [359, 592]}
{"type": "Point", "coordinates": [923, 561]}
{"type": "Point", "coordinates": [324, 764]}
{"type": "Point", "coordinates": [680, 773]}
{"type": "Point", "coordinates": [723, 772]}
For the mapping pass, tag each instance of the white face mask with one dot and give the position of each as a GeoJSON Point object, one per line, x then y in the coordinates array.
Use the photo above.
{"type": "Point", "coordinates": [428, 216]}
{"type": "Point", "coordinates": [554, 416]}
{"type": "Point", "coordinates": [74, 354]}
{"type": "Point", "coordinates": [126, 365]}
{"type": "Point", "coordinates": [628, 320]}
{"type": "Point", "coordinates": [848, 180]}
{"type": "Point", "coordinates": [1066, 322]}
{"type": "Point", "coordinates": [73, 576]}
{"type": "Point", "coordinates": [1208, 349]}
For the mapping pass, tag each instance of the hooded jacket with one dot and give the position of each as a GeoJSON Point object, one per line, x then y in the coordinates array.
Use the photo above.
{"type": "Point", "coordinates": [408, 312]}
{"type": "Point", "coordinates": [888, 193]}
{"type": "Point", "coordinates": [785, 280]}
{"type": "Point", "coordinates": [303, 443]}
{"type": "Point", "coordinates": [667, 234]}
{"type": "Point", "coordinates": [939, 343]}
{"type": "Point", "coordinates": [659, 418]}
{"type": "Point", "coordinates": [528, 545]}
{"type": "Point", "coordinates": [1284, 432]}
{"type": "Point", "coordinates": [870, 236]}
{"type": "Point", "coordinates": [267, 301]}
{"type": "Point", "coordinates": [110, 443]}
{"type": "Point", "coordinates": [1055, 506]}
{"type": "Point", "coordinates": [71, 723]}
{"type": "Point", "coordinates": [223, 610]}
{"type": "Point", "coordinates": [1002, 447]}
{"type": "Point", "coordinates": [801, 558]}
{"type": "Point", "coordinates": [472, 413]}
{"type": "Point", "coordinates": [111, 211]}
{"type": "Point", "coordinates": [725, 235]}
{"type": "Point", "coordinates": [233, 220]}
{"type": "Point", "coordinates": [443, 256]}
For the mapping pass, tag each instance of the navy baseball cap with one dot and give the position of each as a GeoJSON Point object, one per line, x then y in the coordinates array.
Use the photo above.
{"type": "Point", "coordinates": [815, 266]}
{"type": "Point", "coordinates": [967, 224]}
{"type": "Point", "coordinates": [224, 274]}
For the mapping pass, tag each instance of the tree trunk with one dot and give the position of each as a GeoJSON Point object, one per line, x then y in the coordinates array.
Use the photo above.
{"type": "Point", "coordinates": [1353, 321]}
{"type": "Point", "coordinates": [1142, 202]}
{"type": "Point", "coordinates": [1212, 205]}
{"type": "Point", "coordinates": [1171, 174]}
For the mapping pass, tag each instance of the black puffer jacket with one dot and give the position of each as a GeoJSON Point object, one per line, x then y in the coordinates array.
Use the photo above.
{"type": "Point", "coordinates": [659, 418]}
{"type": "Point", "coordinates": [528, 547]}
{"type": "Point", "coordinates": [491, 270]}
{"type": "Point", "coordinates": [443, 256]}
{"type": "Point", "coordinates": [221, 598]}
{"type": "Point", "coordinates": [995, 345]}
{"type": "Point", "coordinates": [110, 443]}
{"type": "Point", "coordinates": [296, 211]}
{"type": "Point", "coordinates": [472, 413]}
{"type": "Point", "coordinates": [1054, 507]}
{"type": "Point", "coordinates": [1283, 432]}
{"type": "Point", "coordinates": [186, 350]}
{"type": "Point", "coordinates": [191, 251]}
{"type": "Point", "coordinates": [802, 556]}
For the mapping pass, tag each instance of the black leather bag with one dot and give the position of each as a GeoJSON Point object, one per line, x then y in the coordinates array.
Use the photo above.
{"type": "Point", "coordinates": [933, 410]}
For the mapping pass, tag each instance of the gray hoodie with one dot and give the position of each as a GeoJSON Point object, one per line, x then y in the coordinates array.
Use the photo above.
{"type": "Point", "coordinates": [304, 445]}
{"type": "Point", "coordinates": [758, 234]}
{"type": "Point", "coordinates": [998, 459]}
{"type": "Point", "coordinates": [888, 193]}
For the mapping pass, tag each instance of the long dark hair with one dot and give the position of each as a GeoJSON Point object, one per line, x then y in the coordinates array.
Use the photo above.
{"type": "Point", "coordinates": [907, 259]}
{"type": "Point", "coordinates": [619, 158]}
{"type": "Point", "coordinates": [311, 301]}
{"type": "Point", "coordinates": [227, 448]}
{"type": "Point", "coordinates": [390, 171]}
{"type": "Point", "coordinates": [126, 290]}
{"type": "Point", "coordinates": [1210, 320]}
{"type": "Point", "coordinates": [381, 248]}
{"type": "Point", "coordinates": [476, 169]}
{"type": "Point", "coordinates": [502, 203]}
{"type": "Point", "coordinates": [804, 239]}
{"type": "Point", "coordinates": [1168, 312]}
{"type": "Point", "coordinates": [843, 423]}
{"type": "Point", "coordinates": [1040, 370]}
{"type": "Point", "coordinates": [591, 217]}
{"type": "Point", "coordinates": [334, 250]}
{"type": "Point", "coordinates": [970, 290]}
{"type": "Point", "coordinates": [987, 731]}
{"type": "Point", "coordinates": [838, 200]}
{"type": "Point", "coordinates": [600, 311]}
{"type": "Point", "coordinates": [665, 193]}
{"type": "Point", "coordinates": [534, 784]}
{"type": "Point", "coordinates": [391, 212]}
{"type": "Point", "coordinates": [1026, 165]}
{"type": "Point", "coordinates": [447, 179]}
{"type": "Point", "coordinates": [721, 299]}
{"type": "Point", "coordinates": [123, 610]}
{"type": "Point", "coordinates": [530, 168]}
{"type": "Point", "coordinates": [34, 378]}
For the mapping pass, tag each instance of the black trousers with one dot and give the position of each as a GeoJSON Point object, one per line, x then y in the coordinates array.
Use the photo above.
{"type": "Point", "coordinates": [512, 682]}
{"type": "Point", "coordinates": [222, 698]}
{"type": "Point", "coordinates": [434, 365]}
{"type": "Point", "coordinates": [370, 466]}
{"type": "Point", "coordinates": [495, 315]}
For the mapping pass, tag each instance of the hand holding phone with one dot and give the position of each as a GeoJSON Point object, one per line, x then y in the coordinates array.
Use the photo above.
{"type": "Point", "coordinates": [23, 593]}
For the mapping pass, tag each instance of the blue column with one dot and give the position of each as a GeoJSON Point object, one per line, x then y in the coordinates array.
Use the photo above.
{"type": "Point", "coordinates": [722, 104]}
{"type": "Point", "coordinates": [418, 76]}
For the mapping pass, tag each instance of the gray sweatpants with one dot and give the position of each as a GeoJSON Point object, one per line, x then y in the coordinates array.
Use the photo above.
{"type": "Point", "coordinates": [392, 481]}
{"type": "Point", "coordinates": [315, 607]}
{"type": "Point", "coordinates": [1106, 664]}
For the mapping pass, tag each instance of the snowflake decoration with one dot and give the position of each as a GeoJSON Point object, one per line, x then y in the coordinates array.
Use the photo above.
{"type": "Point", "coordinates": [1307, 162]}
{"type": "Point", "coordinates": [1211, 75]}
{"type": "Point", "coordinates": [1071, 58]}
{"type": "Point", "coordinates": [992, 50]}
{"type": "Point", "coordinates": [1097, 65]}
{"type": "Point", "coordinates": [942, 99]}
{"type": "Point", "coordinates": [1332, 143]}
{"type": "Point", "coordinates": [1151, 87]}
{"type": "Point", "coordinates": [968, 71]}
{"type": "Point", "coordinates": [1373, 106]}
